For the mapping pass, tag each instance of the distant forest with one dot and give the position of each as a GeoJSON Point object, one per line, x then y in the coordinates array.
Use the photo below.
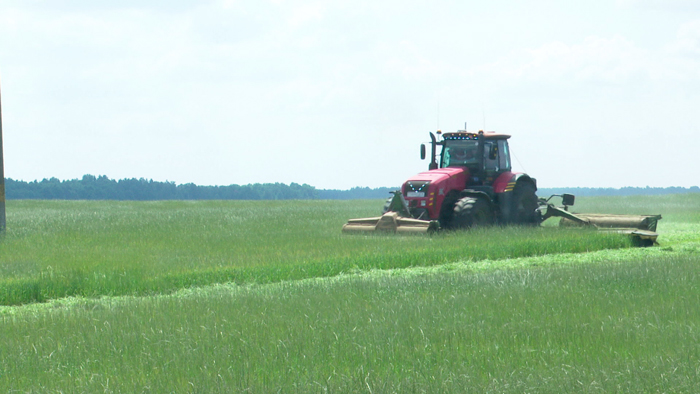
{"type": "Point", "coordinates": [92, 187]}
{"type": "Point", "coordinates": [623, 191]}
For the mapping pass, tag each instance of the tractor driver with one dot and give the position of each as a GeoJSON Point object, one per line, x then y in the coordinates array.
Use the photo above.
{"type": "Point", "coordinates": [460, 155]}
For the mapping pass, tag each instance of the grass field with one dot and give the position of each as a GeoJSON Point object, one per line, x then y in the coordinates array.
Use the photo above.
{"type": "Point", "coordinates": [79, 248]}
{"type": "Point", "coordinates": [301, 308]}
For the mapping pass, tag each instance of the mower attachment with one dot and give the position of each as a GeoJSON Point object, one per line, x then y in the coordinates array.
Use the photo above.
{"type": "Point", "coordinates": [395, 220]}
{"type": "Point", "coordinates": [642, 228]}
{"type": "Point", "coordinates": [391, 222]}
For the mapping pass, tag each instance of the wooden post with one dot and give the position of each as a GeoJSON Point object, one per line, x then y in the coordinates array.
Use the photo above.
{"type": "Point", "coordinates": [2, 179]}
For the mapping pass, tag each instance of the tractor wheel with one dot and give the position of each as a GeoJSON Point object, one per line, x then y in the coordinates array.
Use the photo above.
{"type": "Point", "coordinates": [447, 211]}
{"type": "Point", "coordinates": [524, 208]}
{"type": "Point", "coordinates": [387, 205]}
{"type": "Point", "coordinates": [472, 212]}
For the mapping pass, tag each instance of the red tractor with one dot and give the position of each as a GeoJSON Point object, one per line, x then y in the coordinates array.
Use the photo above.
{"type": "Point", "coordinates": [471, 185]}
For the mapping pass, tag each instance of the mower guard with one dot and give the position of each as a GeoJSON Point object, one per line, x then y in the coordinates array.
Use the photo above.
{"type": "Point", "coordinates": [642, 228]}
{"type": "Point", "coordinates": [396, 220]}
{"type": "Point", "coordinates": [391, 222]}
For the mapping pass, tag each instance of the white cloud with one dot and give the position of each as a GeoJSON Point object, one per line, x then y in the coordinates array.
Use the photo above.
{"type": "Point", "coordinates": [687, 39]}
{"type": "Point", "coordinates": [306, 13]}
{"type": "Point", "coordinates": [613, 60]}
{"type": "Point", "coordinates": [665, 5]}
{"type": "Point", "coordinates": [129, 91]}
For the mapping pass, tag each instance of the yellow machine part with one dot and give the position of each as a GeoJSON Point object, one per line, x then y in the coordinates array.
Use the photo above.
{"type": "Point", "coordinates": [642, 228]}
{"type": "Point", "coordinates": [390, 222]}
{"type": "Point", "coordinates": [641, 222]}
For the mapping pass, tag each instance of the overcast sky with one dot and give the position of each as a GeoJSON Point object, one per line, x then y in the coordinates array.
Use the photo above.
{"type": "Point", "coordinates": [336, 94]}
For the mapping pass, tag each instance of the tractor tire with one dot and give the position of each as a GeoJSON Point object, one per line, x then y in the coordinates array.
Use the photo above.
{"type": "Point", "coordinates": [470, 212]}
{"type": "Point", "coordinates": [447, 211]}
{"type": "Point", "coordinates": [387, 205]}
{"type": "Point", "coordinates": [524, 208]}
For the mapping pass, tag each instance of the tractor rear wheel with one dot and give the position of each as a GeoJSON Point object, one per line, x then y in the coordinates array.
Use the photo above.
{"type": "Point", "coordinates": [472, 212]}
{"type": "Point", "coordinates": [524, 208]}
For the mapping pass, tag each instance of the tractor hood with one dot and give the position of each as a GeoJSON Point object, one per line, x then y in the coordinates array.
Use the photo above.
{"type": "Point", "coordinates": [436, 182]}
{"type": "Point", "coordinates": [428, 190]}
{"type": "Point", "coordinates": [458, 174]}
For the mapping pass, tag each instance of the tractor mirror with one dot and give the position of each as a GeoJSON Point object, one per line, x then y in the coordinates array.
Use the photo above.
{"type": "Point", "coordinates": [422, 151]}
{"type": "Point", "coordinates": [568, 199]}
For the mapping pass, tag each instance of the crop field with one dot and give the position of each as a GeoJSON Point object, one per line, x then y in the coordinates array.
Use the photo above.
{"type": "Point", "coordinates": [269, 296]}
{"type": "Point", "coordinates": [80, 248]}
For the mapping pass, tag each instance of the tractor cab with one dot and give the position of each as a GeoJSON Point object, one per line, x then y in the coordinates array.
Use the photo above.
{"type": "Point", "coordinates": [484, 154]}
{"type": "Point", "coordinates": [460, 154]}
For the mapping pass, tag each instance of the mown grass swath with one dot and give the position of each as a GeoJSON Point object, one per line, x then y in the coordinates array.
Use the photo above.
{"type": "Point", "coordinates": [613, 327]}
{"type": "Point", "coordinates": [86, 248]}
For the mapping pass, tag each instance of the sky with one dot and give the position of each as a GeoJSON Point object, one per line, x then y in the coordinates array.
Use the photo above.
{"type": "Point", "coordinates": [601, 93]}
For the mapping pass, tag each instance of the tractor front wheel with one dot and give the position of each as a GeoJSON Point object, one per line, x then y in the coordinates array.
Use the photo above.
{"type": "Point", "coordinates": [472, 212]}
{"type": "Point", "coordinates": [447, 211]}
{"type": "Point", "coordinates": [387, 205]}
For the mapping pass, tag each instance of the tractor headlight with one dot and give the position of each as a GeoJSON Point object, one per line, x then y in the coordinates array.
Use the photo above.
{"type": "Point", "coordinates": [416, 189]}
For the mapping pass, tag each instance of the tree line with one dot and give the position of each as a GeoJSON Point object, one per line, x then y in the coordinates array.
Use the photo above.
{"type": "Point", "coordinates": [609, 191]}
{"type": "Point", "coordinates": [91, 187]}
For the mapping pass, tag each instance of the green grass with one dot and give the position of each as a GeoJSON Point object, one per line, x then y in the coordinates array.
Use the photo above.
{"type": "Point", "coordinates": [80, 248]}
{"type": "Point", "coordinates": [609, 320]}
{"type": "Point", "coordinates": [615, 327]}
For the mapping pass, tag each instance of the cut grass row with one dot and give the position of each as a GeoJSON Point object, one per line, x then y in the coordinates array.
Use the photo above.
{"type": "Point", "coordinates": [615, 326]}
{"type": "Point", "coordinates": [56, 249]}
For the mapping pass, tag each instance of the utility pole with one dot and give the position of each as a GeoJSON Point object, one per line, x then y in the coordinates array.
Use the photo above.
{"type": "Point", "coordinates": [2, 179]}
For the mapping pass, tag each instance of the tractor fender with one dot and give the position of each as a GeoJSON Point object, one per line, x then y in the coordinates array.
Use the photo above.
{"type": "Point", "coordinates": [506, 182]}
